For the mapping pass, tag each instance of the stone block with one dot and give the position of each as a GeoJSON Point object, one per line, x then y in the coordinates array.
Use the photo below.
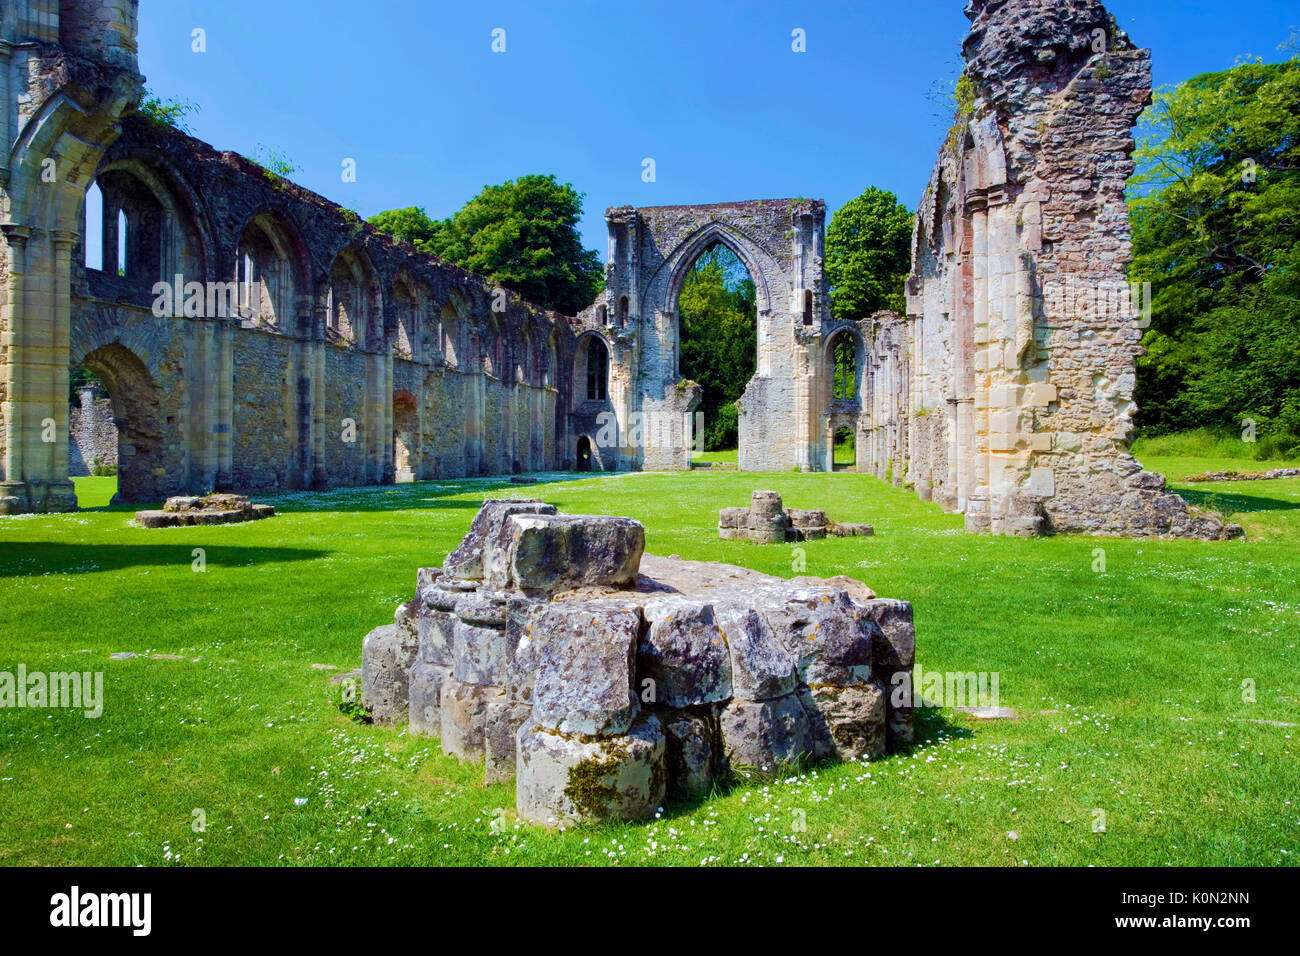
{"type": "Point", "coordinates": [733, 518]}
{"type": "Point", "coordinates": [425, 698]}
{"type": "Point", "coordinates": [437, 630]}
{"type": "Point", "coordinates": [584, 669]}
{"type": "Point", "coordinates": [766, 734]}
{"type": "Point", "coordinates": [767, 529]}
{"type": "Point", "coordinates": [900, 709]}
{"type": "Point", "coordinates": [683, 653]}
{"type": "Point", "coordinates": [847, 723]}
{"type": "Point", "coordinates": [501, 725]}
{"type": "Point", "coordinates": [466, 561]}
{"type": "Point", "coordinates": [761, 666]}
{"type": "Point", "coordinates": [385, 675]}
{"type": "Point", "coordinates": [463, 716]}
{"type": "Point", "coordinates": [481, 655]}
{"type": "Point", "coordinates": [564, 780]}
{"type": "Point", "coordinates": [896, 646]}
{"type": "Point", "coordinates": [547, 554]}
{"type": "Point", "coordinates": [691, 759]}
{"type": "Point", "coordinates": [829, 634]}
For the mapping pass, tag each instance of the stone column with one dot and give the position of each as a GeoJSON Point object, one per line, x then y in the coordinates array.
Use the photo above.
{"type": "Point", "coordinates": [973, 466]}
{"type": "Point", "coordinates": [14, 494]}
{"type": "Point", "coordinates": [225, 400]}
{"type": "Point", "coordinates": [61, 494]}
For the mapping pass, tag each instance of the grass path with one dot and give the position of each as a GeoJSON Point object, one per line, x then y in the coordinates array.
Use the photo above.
{"type": "Point", "coordinates": [1129, 682]}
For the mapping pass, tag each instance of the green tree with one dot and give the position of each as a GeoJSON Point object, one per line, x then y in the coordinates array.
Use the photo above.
{"type": "Point", "coordinates": [411, 225]}
{"type": "Point", "coordinates": [868, 254]}
{"type": "Point", "coordinates": [524, 235]}
{"type": "Point", "coordinates": [1215, 206]}
{"type": "Point", "coordinates": [719, 339]}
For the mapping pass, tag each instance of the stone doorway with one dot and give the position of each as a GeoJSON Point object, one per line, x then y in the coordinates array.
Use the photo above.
{"type": "Point", "coordinates": [406, 428]}
{"type": "Point", "coordinates": [133, 396]}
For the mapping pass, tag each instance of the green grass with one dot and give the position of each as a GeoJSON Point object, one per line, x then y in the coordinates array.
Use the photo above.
{"type": "Point", "coordinates": [728, 456]}
{"type": "Point", "coordinates": [1128, 682]}
{"type": "Point", "coordinates": [845, 454]}
{"type": "Point", "coordinates": [95, 492]}
{"type": "Point", "coordinates": [1217, 444]}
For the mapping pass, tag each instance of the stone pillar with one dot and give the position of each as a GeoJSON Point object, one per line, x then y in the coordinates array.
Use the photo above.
{"type": "Point", "coordinates": [316, 395]}
{"type": "Point", "coordinates": [14, 496]}
{"type": "Point", "coordinates": [975, 480]}
{"type": "Point", "coordinates": [38, 314]}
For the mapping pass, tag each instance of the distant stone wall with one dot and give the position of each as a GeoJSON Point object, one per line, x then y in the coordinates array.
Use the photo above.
{"type": "Point", "coordinates": [92, 434]}
{"type": "Point", "coordinates": [783, 408]}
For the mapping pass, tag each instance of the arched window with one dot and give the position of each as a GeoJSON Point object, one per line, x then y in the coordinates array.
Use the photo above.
{"type": "Point", "coordinates": [622, 312]}
{"type": "Point", "coordinates": [407, 306]}
{"type": "Point", "coordinates": [449, 336]}
{"type": "Point", "coordinates": [94, 231]}
{"type": "Point", "coordinates": [807, 307]}
{"type": "Point", "coordinates": [597, 370]}
{"type": "Point", "coordinates": [602, 315]}
{"type": "Point", "coordinates": [844, 370]}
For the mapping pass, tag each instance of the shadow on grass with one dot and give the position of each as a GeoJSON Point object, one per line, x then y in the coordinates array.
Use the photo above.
{"type": "Point", "coordinates": [1231, 504]}
{"type": "Point", "coordinates": [418, 495]}
{"type": "Point", "coordinates": [32, 559]}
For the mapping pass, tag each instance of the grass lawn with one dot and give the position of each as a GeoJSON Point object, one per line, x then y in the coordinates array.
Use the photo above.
{"type": "Point", "coordinates": [1128, 682]}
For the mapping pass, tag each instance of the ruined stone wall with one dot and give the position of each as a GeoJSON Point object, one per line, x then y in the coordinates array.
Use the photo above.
{"type": "Point", "coordinates": [651, 250]}
{"type": "Point", "coordinates": [1023, 340]}
{"type": "Point", "coordinates": [92, 433]}
{"type": "Point", "coordinates": [302, 348]}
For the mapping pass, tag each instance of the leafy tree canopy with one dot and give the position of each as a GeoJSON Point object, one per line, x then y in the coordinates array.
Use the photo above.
{"type": "Point", "coordinates": [868, 254]}
{"type": "Point", "coordinates": [1215, 205]}
{"type": "Point", "coordinates": [411, 225]}
{"type": "Point", "coordinates": [522, 234]}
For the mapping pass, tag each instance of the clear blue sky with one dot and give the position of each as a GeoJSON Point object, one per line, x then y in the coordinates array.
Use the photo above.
{"type": "Point", "coordinates": [412, 91]}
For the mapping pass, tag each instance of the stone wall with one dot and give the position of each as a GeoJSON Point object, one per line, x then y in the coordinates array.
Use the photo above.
{"type": "Point", "coordinates": [93, 435]}
{"type": "Point", "coordinates": [301, 349]}
{"type": "Point", "coordinates": [1021, 336]}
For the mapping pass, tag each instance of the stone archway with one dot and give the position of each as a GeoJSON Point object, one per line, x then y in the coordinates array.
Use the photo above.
{"type": "Point", "coordinates": [406, 437]}
{"type": "Point", "coordinates": [137, 415]}
{"type": "Point", "coordinates": [779, 242]}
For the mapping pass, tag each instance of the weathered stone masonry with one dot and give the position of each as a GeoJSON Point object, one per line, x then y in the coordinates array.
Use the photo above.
{"type": "Point", "coordinates": [550, 648]}
{"type": "Point", "coordinates": [788, 413]}
{"type": "Point", "coordinates": [343, 357]}
{"type": "Point", "coordinates": [1010, 383]}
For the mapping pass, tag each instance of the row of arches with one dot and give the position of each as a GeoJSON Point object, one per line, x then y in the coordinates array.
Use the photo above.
{"type": "Point", "coordinates": [139, 229]}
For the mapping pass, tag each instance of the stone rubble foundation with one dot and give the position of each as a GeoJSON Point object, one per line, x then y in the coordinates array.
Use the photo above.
{"type": "Point", "coordinates": [211, 509]}
{"type": "Point", "coordinates": [768, 521]}
{"type": "Point", "coordinates": [606, 680]}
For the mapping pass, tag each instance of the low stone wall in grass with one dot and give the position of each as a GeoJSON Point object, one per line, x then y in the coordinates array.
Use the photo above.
{"type": "Point", "coordinates": [185, 510]}
{"type": "Point", "coordinates": [768, 521]}
{"type": "Point", "coordinates": [606, 680]}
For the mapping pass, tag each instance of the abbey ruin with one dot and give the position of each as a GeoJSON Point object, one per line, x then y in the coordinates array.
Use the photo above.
{"type": "Point", "coordinates": [254, 336]}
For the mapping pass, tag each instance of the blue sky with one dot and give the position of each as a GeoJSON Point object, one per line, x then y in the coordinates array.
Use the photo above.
{"type": "Point", "coordinates": [412, 91]}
